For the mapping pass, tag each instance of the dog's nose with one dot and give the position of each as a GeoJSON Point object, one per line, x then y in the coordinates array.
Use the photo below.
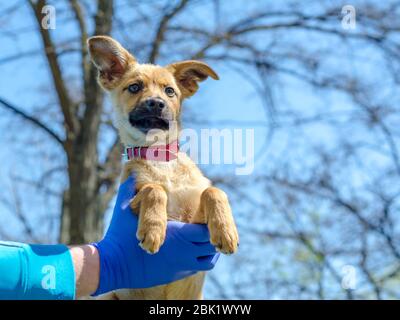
{"type": "Point", "coordinates": [155, 103]}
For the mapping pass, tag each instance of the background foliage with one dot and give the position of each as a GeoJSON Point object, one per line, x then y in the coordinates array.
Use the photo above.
{"type": "Point", "coordinates": [323, 100]}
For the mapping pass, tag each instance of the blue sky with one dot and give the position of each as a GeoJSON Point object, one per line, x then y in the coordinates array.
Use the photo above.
{"type": "Point", "coordinates": [26, 83]}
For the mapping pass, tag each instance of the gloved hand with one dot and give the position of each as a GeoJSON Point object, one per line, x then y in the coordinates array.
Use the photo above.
{"type": "Point", "coordinates": [123, 264]}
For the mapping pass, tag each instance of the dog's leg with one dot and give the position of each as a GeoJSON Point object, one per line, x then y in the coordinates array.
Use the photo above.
{"type": "Point", "coordinates": [151, 204]}
{"type": "Point", "coordinates": [216, 212]}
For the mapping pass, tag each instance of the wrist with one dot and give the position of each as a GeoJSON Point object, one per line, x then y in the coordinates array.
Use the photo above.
{"type": "Point", "coordinates": [86, 263]}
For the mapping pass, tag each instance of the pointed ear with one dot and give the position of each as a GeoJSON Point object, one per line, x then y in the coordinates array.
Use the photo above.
{"type": "Point", "coordinates": [110, 58]}
{"type": "Point", "coordinates": [189, 73]}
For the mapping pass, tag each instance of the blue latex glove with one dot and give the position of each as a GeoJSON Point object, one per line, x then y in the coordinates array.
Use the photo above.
{"type": "Point", "coordinates": [123, 264]}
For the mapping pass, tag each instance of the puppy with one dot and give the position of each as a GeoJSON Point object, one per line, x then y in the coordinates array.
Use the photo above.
{"type": "Point", "coordinates": [147, 100]}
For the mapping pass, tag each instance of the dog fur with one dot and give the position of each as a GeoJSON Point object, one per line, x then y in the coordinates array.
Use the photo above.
{"type": "Point", "coordinates": [174, 190]}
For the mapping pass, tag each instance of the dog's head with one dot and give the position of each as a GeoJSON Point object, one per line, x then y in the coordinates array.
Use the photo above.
{"type": "Point", "coordinates": [147, 97]}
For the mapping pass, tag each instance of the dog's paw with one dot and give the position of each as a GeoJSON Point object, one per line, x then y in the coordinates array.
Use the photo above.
{"type": "Point", "coordinates": [151, 238]}
{"type": "Point", "coordinates": [224, 237]}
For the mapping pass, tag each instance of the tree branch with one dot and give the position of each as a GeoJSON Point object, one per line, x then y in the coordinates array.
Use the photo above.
{"type": "Point", "coordinates": [162, 28]}
{"type": "Point", "coordinates": [32, 120]}
{"type": "Point", "coordinates": [93, 93]}
{"type": "Point", "coordinates": [80, 18]}
{"type": "Point", "coordinates": [51, 55]}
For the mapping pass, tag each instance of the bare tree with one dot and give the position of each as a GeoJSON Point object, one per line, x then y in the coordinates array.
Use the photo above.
{"type": "Point", "coordinates": [325, 191]}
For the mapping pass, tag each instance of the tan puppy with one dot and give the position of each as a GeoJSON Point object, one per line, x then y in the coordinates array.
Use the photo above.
{"type": "Point", "coordinates": [147, 100]}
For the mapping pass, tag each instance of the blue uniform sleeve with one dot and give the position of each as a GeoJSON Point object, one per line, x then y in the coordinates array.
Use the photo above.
{"type": "Point", "coordinates": [36, 272]}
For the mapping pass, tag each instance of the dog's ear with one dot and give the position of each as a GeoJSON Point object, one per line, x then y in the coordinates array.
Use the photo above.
{"type": "Point", "coordinates": [110, 58]}
{"type": "Point", "coordinates": [189, 73]}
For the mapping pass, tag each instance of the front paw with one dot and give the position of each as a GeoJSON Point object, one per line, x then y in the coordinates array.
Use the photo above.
{"type": "Point", "coordinates": [224, 236]}
{"type": "Point", "coordinates": [151, 236]}
{"type": "Point", "coordinates": [151, 203]}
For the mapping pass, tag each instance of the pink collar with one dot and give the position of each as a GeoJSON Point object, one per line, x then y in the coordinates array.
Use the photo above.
{"type": "Point", "coordinates": [156, 153]}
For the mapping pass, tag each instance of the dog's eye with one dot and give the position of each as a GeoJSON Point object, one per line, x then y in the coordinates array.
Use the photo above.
{"type": "Point", "coordinates": [170, 91]}
{"type": "Point", "coordinates": [134, 88]}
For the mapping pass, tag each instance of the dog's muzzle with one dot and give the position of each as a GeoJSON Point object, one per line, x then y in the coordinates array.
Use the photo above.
{"type": "Point", "coordinates": [153, 113]}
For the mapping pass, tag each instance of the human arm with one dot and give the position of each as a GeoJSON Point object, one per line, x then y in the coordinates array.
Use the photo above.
{"type": "Point", "coordinates": [59, 272]}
